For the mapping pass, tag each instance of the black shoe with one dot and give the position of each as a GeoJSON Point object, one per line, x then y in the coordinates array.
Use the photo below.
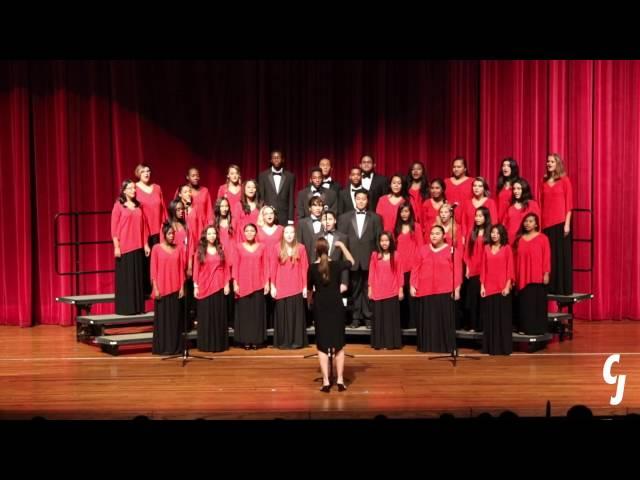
{"type": "Point", "coordinates": [247, 347]}
{"type": "Point", "coordinates": [255, 347]}
{"type": "Point", "coordinates": [326, 388]}
{"type": "Point", "coordinates": [341, 387]}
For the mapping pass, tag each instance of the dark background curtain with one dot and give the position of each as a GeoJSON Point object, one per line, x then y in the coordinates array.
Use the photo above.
{"type": "Point", "coordinates": [70, 131]}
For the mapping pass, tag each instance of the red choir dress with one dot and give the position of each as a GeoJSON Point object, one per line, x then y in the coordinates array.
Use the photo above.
{"type": "Point", "coordinates": [433, 276]}
{"type": "Point", "coordinates": [131, 229]}
{"type": "Point", "coordinates": [249, 270]}
{"type": "Point", "coordinates": [469, 214]}
{"type": "Point", "coordinates": [408, 246]}
{"type": "Point", "coordinates": [388, 212]}
{"type": "Point", "coordinates": [504, 202]}
{"type": "Point", "coordinates": [241, 219]}
{"type": "Point", "coordinates": [471, 301]}
{"type": "Point", "coordinates": [458, 194]}
{"type": "Point", "coordinates": [532, 260]}
{"type": "Point", "coordinates": [514, 216]}
{"type": "Point", "coordinates": [210, 277]}
{"type": "Point", "coordinates": [289, 279]}
{"type": "Point", "coordinates": [496, 310]}
{"type": "Point", "coordinates": [167, 271]}
{"type": "Point", "coordinates": [385, 281]}
{"type": "Point", "coordinates": [428, 218]}
{"type": "Point", "coordinates": [556, 201]}
{"type": "Point", "coordinates": [234, 198]}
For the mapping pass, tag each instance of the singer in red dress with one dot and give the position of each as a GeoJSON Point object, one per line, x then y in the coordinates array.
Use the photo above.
{"type": "Point", "coordinates": [129, 232]}
{"type": "Point", "coordinates": [225, 226]}
{"type": "Point", "coordinates": [289, 265]}
{"type": "Point", "coordinates": [418, 186]}
{"type": "Point", "coordinates": [452, 230]}
{"type": "Point", "coordinates": [509, 173]}
{"type": "Point", "coordinates": [200, 199]}
{"type": "Point", "coordinates": [522, 204]}
{"type": "Point", "coordinates": [479, 199]}
{"type": "Point", "coordinates": [435, 282]}
{"type": "Point", "coordinates": [473, 252]}
{"type": "Point", "coordinates": [152, 204]}
{"type": "Point", "coordinates": [458, 186]}
{"type": "Point", "coordinates": [250, 284]}
{"type": "Point", "coordinates": [496, 280]}
{"type": "Point", "coordinates": [232, 189]}
{"type": "Point", "coordinates": [388, 204]}
{"type": "Point", "coordinates": [556, 202]}
{"type": "Point", "coordinates": [409, 241]}
{"type": "Point", "coordinates": [431, 206]}
{"type": "Point", "coordinates": [248, 210]}
{"type": "Point", "coordinates": [269, 234]}
{"type": "Point", "coordinates": [167, 276]}
{"type": "Point", "coordinates": [211, 275]}
{"type": "Point", "coordinates": [385, 292]}
{"type": "Point", "coordinates": [533, 264]}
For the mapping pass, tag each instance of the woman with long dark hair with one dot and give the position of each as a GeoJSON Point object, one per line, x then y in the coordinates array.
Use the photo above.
{"type": "Point", "coordinates": [418, 187]}
{"type": "Point", "coordinates": [480, 198]}
{"type": "Point", "coordinates": [509, 173]}
{"type": "Point", "coordinates": [473, 252]}
{"type": "Point", "coordinates": [409, 241]}
{"type": "Point", "coordinates": [431, 206]}
{"type": "Point", "coordinates": [388, 204]}
{"type": "Point", "coordinates": [458, 186]}
{"type": "Point", "coordinates": [522, 203]}
{"type": "Point", "coordinates": [248, 210]}
{"type": "Point", "coordinates": [232, 188]}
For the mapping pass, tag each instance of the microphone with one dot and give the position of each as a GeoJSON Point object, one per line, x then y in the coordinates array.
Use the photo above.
{"type": "Point", "coordinates": [454, 205]}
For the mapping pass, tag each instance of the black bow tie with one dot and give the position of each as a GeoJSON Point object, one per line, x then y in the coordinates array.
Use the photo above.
{"type": "Point", "coordinates": [328, 180]}
{"type": "Point", "coordinates": [315, 220]}
{"type": "Point", "coordinates": [367, 175]}
{"type": "Point", "coordinates": [361, 212]}
{"type": "Point", "coordinates": [277, 173]}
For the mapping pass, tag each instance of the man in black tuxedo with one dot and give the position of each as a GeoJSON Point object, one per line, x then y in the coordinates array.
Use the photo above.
{"type": "Point", "coordinates": [327, 181]}
{"type": "Point", "coordinates": [377, 185]}
{"type": "Point", "coordinates": [315, 189]}
{"type": "Point", "coordinates": [277, 187]}
{"type": "Point", "coordinates": [346, 198]}
{"type": "Point", "coordinates": [331, 235]}
{"type": "Point", "coordinates": [362, 228]}
{"type": "Point", "coordinates": [310, 226]}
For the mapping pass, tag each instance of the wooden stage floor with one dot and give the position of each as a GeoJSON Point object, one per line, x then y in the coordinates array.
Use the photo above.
{"type": "Point", "coordinates": [45, 372]}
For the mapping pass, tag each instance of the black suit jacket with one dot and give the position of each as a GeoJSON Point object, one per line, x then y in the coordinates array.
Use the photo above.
{"type": "Point", "coordinates": [282, 200]}
{"type": "Point", "coordinates": [334, 253]}
{"type": "Point", "coordinates": [305, 235]}
{"type": "Point", "coordinates": [335, 186]}
{"type": "Point", "coordinates": [379, 187]}
{"type": "Point", "coordinates": [361, 247]}
{"type": "Point", "coordinates": [328, 196]}
{"type": "Point", "coordinates": [345, 204]}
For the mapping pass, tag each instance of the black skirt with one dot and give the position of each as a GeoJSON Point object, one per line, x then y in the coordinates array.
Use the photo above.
{"type": "Point", "coordinates": [435, 328]}
{"type": "Point", "coordinates": [407, 305]}
{"type": "Point", "coordinates": [213, 329]}
{"type": "Point", "coordinates": [561, 275]}
{"type": "Point", "coordinates": [168, 325]}
{"type": "Point", "coordinates": [290, 329]}
{"type": "Point", "coordinates": [532, 309]}
{"type": "Point", "coordinates": [189, 303]}
{"type": "Point", "coordinates": [250, 326]}
{"type": "Point", "coordinates": [152, 240]}
{"type": "Point", "coordinates": [385, 324]}
{"type": "Point", "coordinates": [130, 283]}
{"type": "Point", "coordinates": [231, 305]}
{"type": "Point", "coordinates": [496, 313]}
{"type": "Point", "coordinates": [472, 304]}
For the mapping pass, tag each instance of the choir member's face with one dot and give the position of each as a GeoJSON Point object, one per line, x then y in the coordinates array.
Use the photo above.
{"type": "Point", "coordinates": [355, 177]}
{"type": "Point", "coordinates": [405, 214]}
{"type": "Point", "coordinates": [396, 185]}
{"type": "Point", "coordinates": [325, 166]}
{"type": "Point", "coordinates": [417, 171]}
{"type": "Point", "coordinates": [458, 168]}
{"type": "Point", "coordinates": [233, 176]}
{"type": "Point", "coordinates": [329, 222]}
{"type": "Point", "coordinates": [495, 235]}
{"type": "Point", "coordinates": [250, 190]}
{"type": "Point", "coordinates": [276, 160]}
{"type": "Point", "coordinates": [289, 233]}
{"type": "Point", "coordinates": [530, 224]}
{"type": "Point", "coordinates": [130, 191]}
{"type": "Point", "coordinates": [445, 214]}
{"type": "Point", "coordinates": [268, 216]}
{"type": "Point", "coordinates": [211, 235]}
{"type": "Point", "coordinates": [194, 177]}
{"type": "Point", "coordinates": [145, 174]}
{"type": "Point", "coordinates": [180, 211]}
{"type": "Point", "coordinates": [224, 208]}
{"type": "Point", "coordinates": [436, 190]}
{"type": "Point", "coordinates": [384, 243]}
{"type": "Point", "coordinates": [436, 237]}
{"type": "Point", "coordinates": [479, 218]}
{"type": "Point", "coordinates": [316, 210]}
{"type": "Point", "coordinates": [170, 236]}
{"type": "Point", "coordinates": [185, 194]}
{"type": "Point", "coordinates": [478, 188]}
{"type": "Point", "coordinates": [506, 168]}
{"type": "Point", "coordinates": [551, 164]}
{"type": "Point", "coordinates": [250, 233]}
{"type": "Point", "coordinates": [517, 191]}
{"type": "Point", "coordinates": [366, 164]}
{"type": "Point", "coordinates": [361, 201]}
{"type": "Point", "coordinates": [316, 179]}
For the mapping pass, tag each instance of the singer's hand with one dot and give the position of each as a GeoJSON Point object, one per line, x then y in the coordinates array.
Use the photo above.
{"type": "Point", "coordinates": [343, 288]}
{"type": "Point", "coordinates": [226, 289]}
{"type": "Point", "coordinates": [413, 291]}
{"type": "Point", "coordinates": [567, 230]}
{"type": "Point", "coordinates": [483, 292]}
{"type": "Point", "coordinates": [400, 295]}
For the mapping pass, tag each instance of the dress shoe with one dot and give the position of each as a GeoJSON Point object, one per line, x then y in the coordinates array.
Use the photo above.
{"type": "Point", "coordinates": [326, 388]}
{"type": "Point", "coordinates": [341, 387]}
